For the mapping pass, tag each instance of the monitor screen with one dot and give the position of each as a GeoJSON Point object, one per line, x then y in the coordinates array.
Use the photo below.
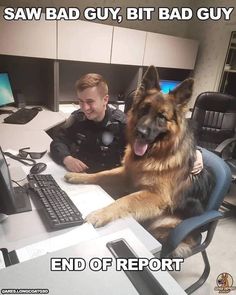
{"type": "Point", "coordinates": [6, 94]}
{"type": "Point", "coordinates": [10, 201]}
{"type": "Point", "coordinates": [168, 85]}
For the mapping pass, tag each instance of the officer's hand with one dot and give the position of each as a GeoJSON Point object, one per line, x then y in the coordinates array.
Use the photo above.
{"type": "Point", "coordinates": [74, 165]}
{"type": "Point", "coordinates": [198, 164]}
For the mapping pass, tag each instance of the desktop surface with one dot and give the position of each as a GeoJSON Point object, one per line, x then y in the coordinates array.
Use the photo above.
{"type": "Point", "coordinates": [44, 120]}
{"type": "Point", "coordinates": [37, 273]}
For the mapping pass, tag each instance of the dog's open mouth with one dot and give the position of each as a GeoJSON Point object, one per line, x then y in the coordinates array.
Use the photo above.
{"type": "Point", "coordinates": [140, 147]}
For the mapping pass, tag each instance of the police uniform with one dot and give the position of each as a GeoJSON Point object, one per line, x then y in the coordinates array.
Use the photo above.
{"type": "Point", "coordinates": [100, 145]}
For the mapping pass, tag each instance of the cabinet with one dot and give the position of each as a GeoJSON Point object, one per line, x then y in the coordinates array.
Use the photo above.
{"type": "Point", "coordinates": [228, 77]}
{"type": "Point", "coordinates": [128, 46]}
{"type": "Point", "coordinates": [170, 52]}
{"type": "Point", "coordinates": [84, 41]}
{"type": "Point", "coordinates": [92, 42]}
{"type": "Point", "coordinates": [45, 58]}
{"type": "Point", "coordinates": [28, 38]}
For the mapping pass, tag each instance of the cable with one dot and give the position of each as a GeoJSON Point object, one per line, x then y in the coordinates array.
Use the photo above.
{"type": "Point", "coordinates": [19, 180]}
{"type": "Point", "coordinates": [16, 182]}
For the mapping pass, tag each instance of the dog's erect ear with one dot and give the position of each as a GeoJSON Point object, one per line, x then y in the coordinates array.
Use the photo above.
{"type": "Point", "coordinates": [150, 79]}
{"type": "Point", "coordinates": [183, 92]}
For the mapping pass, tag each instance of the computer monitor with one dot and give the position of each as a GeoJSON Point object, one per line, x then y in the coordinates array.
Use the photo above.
{"type": "Point", "coordinates": [6, 94]}
{"type": "Point", "coordinates": [11, 200]}
{"type": "Point", "coordinates": [168, 85]}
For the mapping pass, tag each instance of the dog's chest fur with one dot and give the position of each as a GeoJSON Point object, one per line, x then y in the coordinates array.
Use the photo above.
{"type": "Point", "coordinates": [151, 174]}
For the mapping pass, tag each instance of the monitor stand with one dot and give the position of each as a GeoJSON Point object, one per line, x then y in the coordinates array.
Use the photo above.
{"type": "Point", "coordinates": [21, 200]}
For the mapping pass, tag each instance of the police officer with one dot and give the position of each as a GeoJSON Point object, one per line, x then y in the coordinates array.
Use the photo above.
{"type": "Point", "coordinates": [93, 138]}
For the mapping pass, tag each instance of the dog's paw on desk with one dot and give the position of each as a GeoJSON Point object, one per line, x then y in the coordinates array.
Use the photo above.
{"type": "Point", "coordinates": [100, 217]}
{"type": "Point", "coordinates": [73, 177]}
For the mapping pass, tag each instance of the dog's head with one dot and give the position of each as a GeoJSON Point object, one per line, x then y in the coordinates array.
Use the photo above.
{"type": "Point", "coordinates": [223, 280]}
{"type": "Point", "coordinates": [156, 117]}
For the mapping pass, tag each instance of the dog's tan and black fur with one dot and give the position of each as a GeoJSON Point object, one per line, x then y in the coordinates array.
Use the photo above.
{"type": "Point", "coordinates": [157, 165]}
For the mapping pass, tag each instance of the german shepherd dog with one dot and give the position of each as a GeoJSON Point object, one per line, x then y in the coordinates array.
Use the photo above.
{"type": "Point", "coordinates": [157, 164]}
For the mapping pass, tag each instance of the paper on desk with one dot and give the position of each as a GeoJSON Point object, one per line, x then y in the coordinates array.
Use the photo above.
{"type": "Point", "coordinates": [68, 108]}
{"type": "Point", "coordinates": [89, 198]}
{"type": "Point", "coordinates": [79, 234]}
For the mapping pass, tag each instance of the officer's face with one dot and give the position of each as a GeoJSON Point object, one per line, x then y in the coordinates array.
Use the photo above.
{"type": "Point", "coordinates": [93, 103]}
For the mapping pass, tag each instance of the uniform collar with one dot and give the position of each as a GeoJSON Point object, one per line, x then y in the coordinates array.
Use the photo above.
{"type": "Point", "coordinates": [107, 118]}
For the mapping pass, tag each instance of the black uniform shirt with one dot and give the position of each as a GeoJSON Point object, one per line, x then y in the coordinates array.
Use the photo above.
{"type": "Point", "coordinates": [100, 145]}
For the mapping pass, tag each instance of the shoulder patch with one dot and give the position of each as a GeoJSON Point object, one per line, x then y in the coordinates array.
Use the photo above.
{"type": "Point", "coordinates": [75, 116]}
{"type": "Point", "coordinates": [69, 122]}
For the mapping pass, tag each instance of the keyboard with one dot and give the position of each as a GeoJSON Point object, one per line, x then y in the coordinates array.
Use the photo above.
{"type": "Point", "coordinates": [21, 116]}
{"type": "Point", "coordinates": [57, 207]}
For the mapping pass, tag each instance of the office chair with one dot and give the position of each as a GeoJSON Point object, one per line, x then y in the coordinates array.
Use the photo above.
{"type": "Point", "coordinates": [126, 104]}
{"type": "Point", "coordinates": [214, 116]}
{"type": "Point", "coordinates": [204, 223]}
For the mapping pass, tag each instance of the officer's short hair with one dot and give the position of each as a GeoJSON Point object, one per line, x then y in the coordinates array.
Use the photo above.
{"type": "Point", "coordinates": [92, 80]}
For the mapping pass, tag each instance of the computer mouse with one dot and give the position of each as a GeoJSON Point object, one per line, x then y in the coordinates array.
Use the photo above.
{"type": "Point", "coordinates": [3, 217]}
{"type": "Point", "coordinates": [37, 108]}
{"type": "Point", "coordinates": [38, 168]}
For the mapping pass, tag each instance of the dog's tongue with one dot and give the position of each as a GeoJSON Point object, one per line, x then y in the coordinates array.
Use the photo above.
{"type": "Point", "coordinates": [140, 147]}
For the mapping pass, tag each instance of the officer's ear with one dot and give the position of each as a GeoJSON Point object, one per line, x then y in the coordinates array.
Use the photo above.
{"type": "Point", "coordinates": [106, 99]}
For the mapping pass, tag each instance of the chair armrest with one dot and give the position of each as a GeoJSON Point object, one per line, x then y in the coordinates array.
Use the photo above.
{"type": "Point", "coordinates": [187, 226]}
{"type": "Point", "coordinates": [219, 149]}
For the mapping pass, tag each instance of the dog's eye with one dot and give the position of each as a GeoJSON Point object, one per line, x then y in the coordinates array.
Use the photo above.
{"type": "Point", "coordinates": [162, 117]}
{"type": "Point", "coordinates": [143, 110]}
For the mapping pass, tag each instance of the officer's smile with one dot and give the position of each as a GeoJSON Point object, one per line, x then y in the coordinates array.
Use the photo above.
{"type": "Point", "coordinates": [89, 113]}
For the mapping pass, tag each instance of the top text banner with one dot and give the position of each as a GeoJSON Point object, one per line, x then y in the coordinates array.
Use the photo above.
{"type": "Point", "coordinates": [117, 14]}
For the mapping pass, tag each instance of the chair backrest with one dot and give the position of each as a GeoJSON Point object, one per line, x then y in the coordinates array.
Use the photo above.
{"type": "Point", "coordinates": [222, 176]}
{"type": "Point", "coordinates": [215, 117]}
{"type": "Point", "coordinates": [129, 101]}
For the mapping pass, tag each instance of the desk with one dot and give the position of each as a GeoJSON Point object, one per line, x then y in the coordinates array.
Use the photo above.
{"type": "Point", "coordinates": [30, 275]}
{"type": "Point", "coordinates": [26, 228]}
{"type": "Point", "coordinates": [32, 134]}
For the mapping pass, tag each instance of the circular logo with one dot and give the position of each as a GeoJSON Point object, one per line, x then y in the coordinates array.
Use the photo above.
{"type": "Point", "coordinates": [224, 283]}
